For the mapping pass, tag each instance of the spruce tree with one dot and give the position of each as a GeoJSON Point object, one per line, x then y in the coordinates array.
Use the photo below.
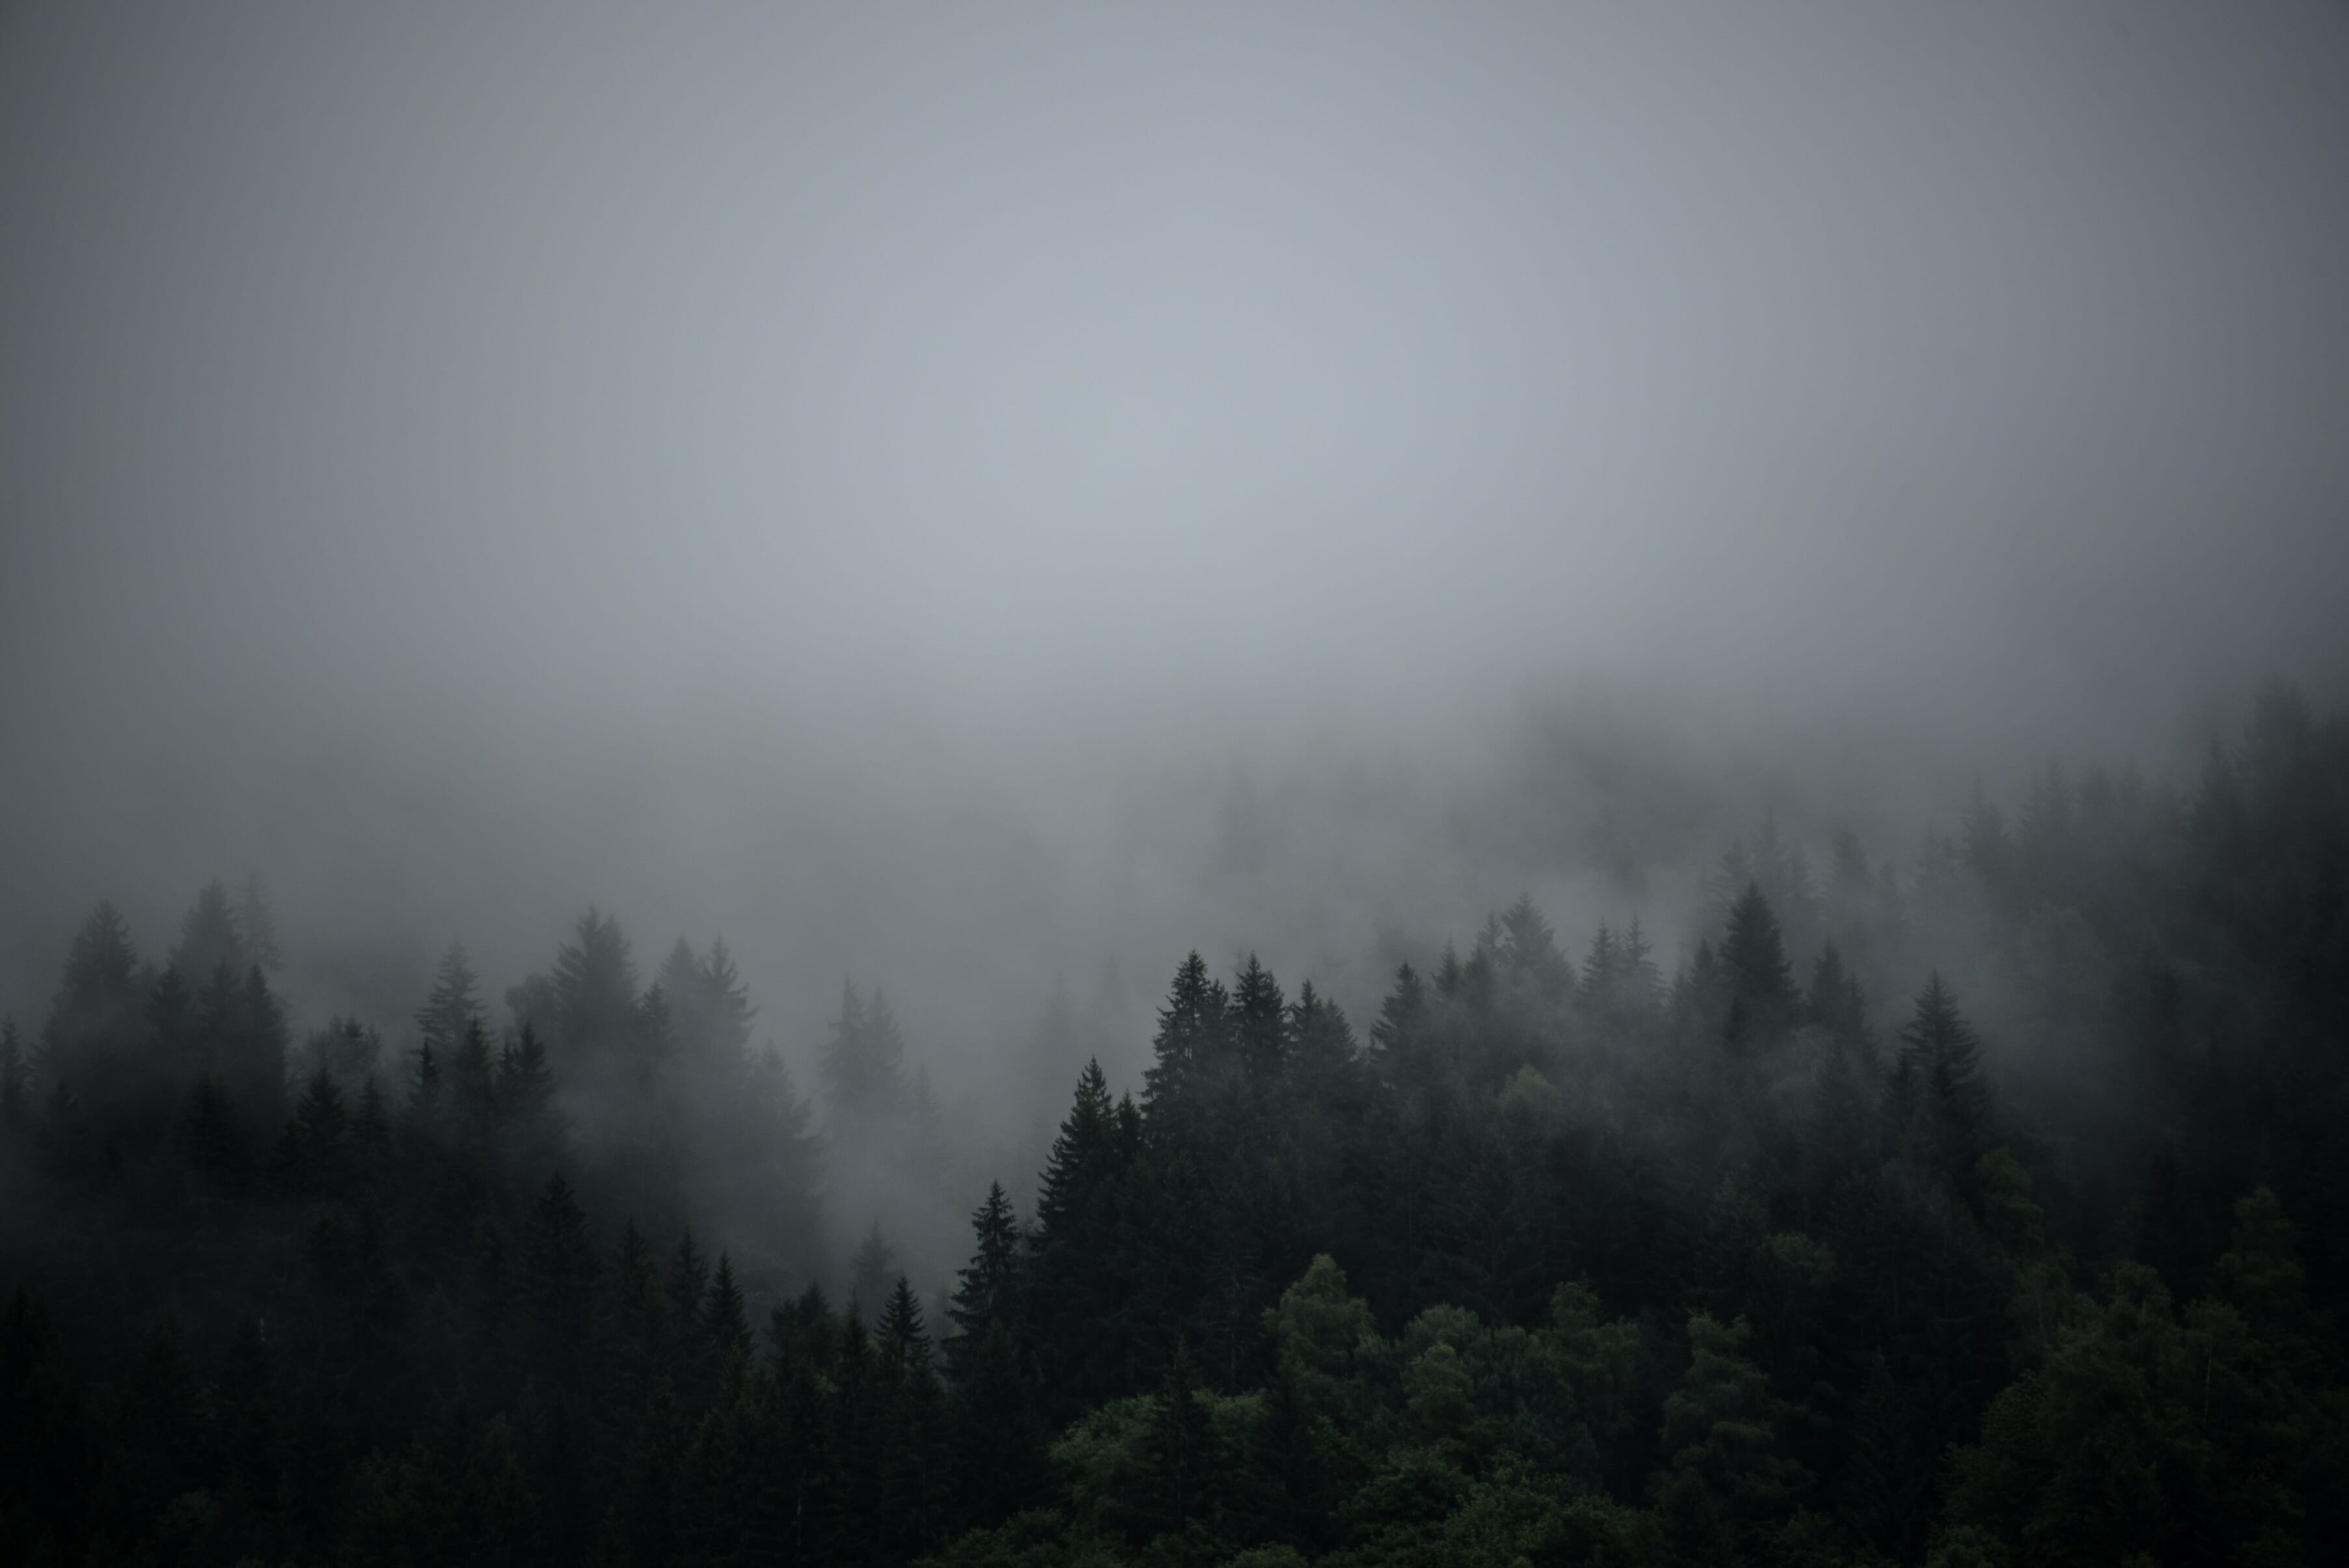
{"type": "Point", "coordinates": [1761, 984]}
{"type": "Point", "coordinates": [453, 1005]}
{"type": "Point", "coordinates": [870, 1271]}
{"type": "Point", "coordinates": [597, 1032]}
{"type": "Point", "coordinates": [727, 1321]}
{"type": "Point", "coordinates": [311, 1154]}
{"type": "Point", "coordinates": [1398, 1038]}
{"type": "Point", "coordinates": [915, 1483]}
{"type": "Point", "coordinates": [15, 1093]}
{"type": "Point", "coordinates": [216, 1137]}
{"type": "Point", "coordinates": [254, 1065]}
{"type": "Point", "coordinates": [561, 1268]}
{"type": "Point", "coordinates": [526, 1095]}
{"type": "Point", "coordinates": [424, 1089]}
{"type": "Point", "coordinates": [1529, 952]}
{"type": "Point", "coordinates": [1322, 1053]}
{"type": "Point", "coordinates": [1194, 1031]}
{"type": "Point", "coordinates": [472, 1091]}
{"type": "Point", "coordinates": [864, 1063]}
{"type": "Point", "coordinates": [1941, 1079]}
{"type": "Point", "coordinates": [1259, 1023]}
{"type": "Point", "coordinates": [1080, 1164]}
{"type": "Point", "coordinates": [93, 1039]}
{"type": "Point", "coordinates": [256, 919]}
{"type": "Point", "coordinates": [210, 937]}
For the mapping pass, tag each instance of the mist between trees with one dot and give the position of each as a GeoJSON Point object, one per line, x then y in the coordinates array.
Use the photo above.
{"type": "Point", "coordinates": [1980, 1204]}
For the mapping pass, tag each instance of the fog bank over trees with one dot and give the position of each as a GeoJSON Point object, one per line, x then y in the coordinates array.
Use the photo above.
{"type": "Point", "coordinates": [1183, 784]}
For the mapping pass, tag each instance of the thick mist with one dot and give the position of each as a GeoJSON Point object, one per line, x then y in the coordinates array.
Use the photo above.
{"type": "Point", "coordinates": [984, 502]}
{"type": "Point", "coordinates": [1227, 786]}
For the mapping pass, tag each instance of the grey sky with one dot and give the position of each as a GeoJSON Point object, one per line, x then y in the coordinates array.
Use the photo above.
{"type": "Point", "coordinates": [453, 447]}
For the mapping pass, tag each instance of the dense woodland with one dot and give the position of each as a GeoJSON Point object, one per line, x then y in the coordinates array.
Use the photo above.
{"type": "Point", "coordinates": [1980, 1204]}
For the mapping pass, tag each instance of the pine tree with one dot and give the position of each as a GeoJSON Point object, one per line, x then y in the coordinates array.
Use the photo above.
{"type": "Point", "coordinates": [597, 1032]}
{"type": "Point", "coordinates": [726, 1320]}
{"type": "Point", "coordinates": [171, 1007]}
{"type": "Point", "coordinates": [472, 1091]}
{"type": "Point", "coordinates": [986, 1289]}
{"type": "Point", "coordinates": [916, 1466]}
{"type": "Point", "coordinates": [999, 1440]}
{"type": "Point", "coordinates": [525, 1085]}
{"type": "Point", "coordinates": [1075, 1291]}
{"type": "Point", "coordinates": [1398, 1038]}
{"type": "Point", "coordinates": [1322, 1055]}
{"type": "Point", "coordinates": [1835, 1002]}
{"type": "Point", "coordinates": [560, 1268]}
{"type": "Point", "coordinates": [1259, 1023]}
{"type": "Point", "coordinates": [14, 1094]}
{"type": "Point", "coordinates": [424, 1089]}
{"type": "Point", "coordinates": [370, 1135]}
{"type": "Point", "coordinates": [870, 1271]}
{"type": "Point", "coordinates": [1940, 1079]}
{"type": "Point", "coordinates": [1194, 1029]}
{"type": "Point", "coordinates": [96, 1029]}
{"type": "Point", "coordinates": [454, 1005]}
{"type": "Point", "coordinates": [253, 1068]}
{"type": "Point", "coordinates": [1753, 960]}
{"type": "Point", "coordinates": [782, 1164]}
{"type": "Point", "coordinates": [257, 921]}
{"type": "Point", "coordinates": [216, 1140]}
{"type": "Point", "coordinates": [210, 935]}
{"type": "Point", "coordinates": [1989, 851]}
{"type": "Point", "coordinates": [709, 1008]}
{"type": "Point", "coordinates": [1598, 966]}
{"type": "Point", "coordinates": [1529, 952]}
{"type": "Point", "coordinates": [311, 1154]}
{"type": "Point", "coordinates": [864, 1063]}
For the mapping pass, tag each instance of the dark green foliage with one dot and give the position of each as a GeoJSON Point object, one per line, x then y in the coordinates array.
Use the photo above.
{"type": "Point", "coordinates": [1565, 1267]}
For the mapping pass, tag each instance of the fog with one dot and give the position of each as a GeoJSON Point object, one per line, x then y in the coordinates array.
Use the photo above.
{"type": "Point", "coordinates": [980, 499]}
{"type": "Point", "coordinates": [1174, 783]}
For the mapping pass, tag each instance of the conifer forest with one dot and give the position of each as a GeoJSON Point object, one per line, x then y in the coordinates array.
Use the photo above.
{"type": "Point", "coordinates": [1173, 784]}
{"type": "Point", "coordinates": [1561, 1257]}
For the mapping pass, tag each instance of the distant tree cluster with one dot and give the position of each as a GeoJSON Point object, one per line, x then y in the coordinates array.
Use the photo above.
{"type": "Point", "coordinates": [1562, 1261]}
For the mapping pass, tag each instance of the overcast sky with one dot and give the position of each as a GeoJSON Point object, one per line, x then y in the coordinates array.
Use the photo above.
{"type": "Point", "coordinates": [873, 479]}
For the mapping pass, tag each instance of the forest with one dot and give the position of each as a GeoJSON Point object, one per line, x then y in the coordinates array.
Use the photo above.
{"type": "Point", "coordinates": [1980, 1205]}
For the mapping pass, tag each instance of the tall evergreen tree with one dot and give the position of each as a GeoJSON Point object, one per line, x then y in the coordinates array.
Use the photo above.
{"type": "Point", "coordinates": [16, 1097]}
{"type": "Point", "coordinates": [601, 1038]}
{"type": "Point", "coordinates": [1259, 1022]}
{"type": "Point", "coordinates": [998, 1440]}
{"type": "Point", "coordinates": [864, 1063]}
{"type": "Point", "coordinates": [94, 1039]}
{"type": "Point", "coordinates": [986, 1289]}
{"type": "Point", "coordinates": [1193, 1032]}
{"type": "Point", "coordinates": [256, 921]}
{"type": "Point", "coordinates": [1939, 1085]}
{"type": "Point", "coordinates": [210, 935]}
{"type": "Point", "coordinates": [454, 1005]}
{"type": "Point", "coordinates": [1529, 952]}
{"type": "Point", "coordinates": [1761, 984]}
{"type": "Point", "coordinates": [870, 1271]}
{"type": "Point", "coordinates": [1398, 1038]}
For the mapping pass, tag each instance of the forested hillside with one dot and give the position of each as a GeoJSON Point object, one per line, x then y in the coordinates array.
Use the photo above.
{"type": "Point", "coordinates": [1981, 1205]}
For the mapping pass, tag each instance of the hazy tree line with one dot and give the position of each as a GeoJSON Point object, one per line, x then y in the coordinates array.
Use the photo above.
{"type": "Point", "coordinates": [1986, 1206]}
